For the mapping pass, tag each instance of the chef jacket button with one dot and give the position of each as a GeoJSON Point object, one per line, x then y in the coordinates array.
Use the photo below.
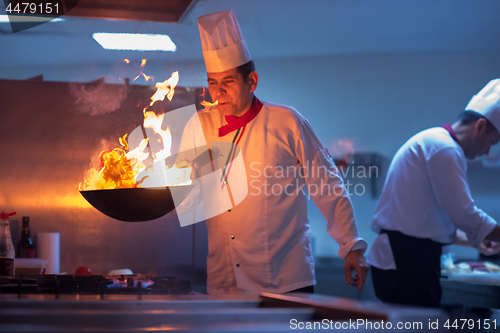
{"type": "Point", "coordinates": [232, 237]}
{"type": "Point", "coordinates": [237, 265]}
{"type": "Point", "coordinates": [221, 156]}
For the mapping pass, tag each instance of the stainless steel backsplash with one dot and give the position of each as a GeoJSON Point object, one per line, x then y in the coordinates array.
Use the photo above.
{"type": "Point", "coordinates": [49, 132]}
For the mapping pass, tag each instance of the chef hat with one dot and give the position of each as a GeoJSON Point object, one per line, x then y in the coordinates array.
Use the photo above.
{"type": "Point", "coordinates": [487, 103]}
{"type": "Point", "coordinates": [222, 42]}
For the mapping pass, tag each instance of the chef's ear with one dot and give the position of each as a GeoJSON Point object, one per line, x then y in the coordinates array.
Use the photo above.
{"type": "Point", "coordinates": [253, 79]}
{"type": "Point", "coordinates": [481, 125]}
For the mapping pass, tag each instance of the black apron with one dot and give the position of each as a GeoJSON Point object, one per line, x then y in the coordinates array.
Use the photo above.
{"type": "Point", "coordinates": [416, 279]}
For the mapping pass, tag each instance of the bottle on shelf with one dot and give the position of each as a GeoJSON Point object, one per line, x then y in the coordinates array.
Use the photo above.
{"type": "Point", "coordinates": [7, 252]}
{"type": "Point", "coordinates": [25, 248]}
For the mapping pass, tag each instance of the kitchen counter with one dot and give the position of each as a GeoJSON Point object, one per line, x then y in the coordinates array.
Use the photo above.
{"type": "Point", "coordinates": [471, 294]}
{"type": "Point", "coordinates": [202, 313]}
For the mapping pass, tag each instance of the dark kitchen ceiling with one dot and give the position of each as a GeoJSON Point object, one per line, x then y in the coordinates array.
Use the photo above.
{"type": "Point", "coordinates": [272, 29]}
{"type": "Point", "coordinates": [141, 10]}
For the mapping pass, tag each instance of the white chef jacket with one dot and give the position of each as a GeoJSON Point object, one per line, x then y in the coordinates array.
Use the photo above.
{"type": "Point", "coordinates": [263, 243]}
{"type": "Point", "coordinates": [426, 195]}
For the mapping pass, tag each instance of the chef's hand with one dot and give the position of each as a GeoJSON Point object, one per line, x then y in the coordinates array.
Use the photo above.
{"type": "Point", "coordinates": [488, 247]}
{"type": "Point", "coordinates": [355, 261]}
{"type": "Point", "coordinates": [195, 172]}
{"type": "Point", "coordinates": [195, 168]}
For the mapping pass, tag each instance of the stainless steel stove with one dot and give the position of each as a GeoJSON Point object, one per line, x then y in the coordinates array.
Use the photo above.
{"type": "Point", "coordinates": [140, 304]}
{"type": "Point", "coordinates": [94, 285]}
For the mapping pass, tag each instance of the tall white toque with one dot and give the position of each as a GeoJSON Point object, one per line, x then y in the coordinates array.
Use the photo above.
{"type": "Point", "coordinates": [222, 42]}
{"type": "Point", "coordinates": [487, 102]}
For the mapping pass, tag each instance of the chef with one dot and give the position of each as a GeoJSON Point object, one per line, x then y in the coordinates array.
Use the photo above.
{"type": "Point", "coordinates": [263, 243]}
{"type": "Point", "coordinates": [426, 203]}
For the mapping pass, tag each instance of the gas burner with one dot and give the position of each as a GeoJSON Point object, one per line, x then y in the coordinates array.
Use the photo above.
{"type": "Point", "coordinates": [93, 285]}
{"type": "Point", "coordinates": [170, 285]}
{"type": "Point", "coordinates": [129, 282]}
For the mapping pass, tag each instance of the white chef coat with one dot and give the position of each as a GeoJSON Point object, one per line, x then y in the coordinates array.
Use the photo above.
{"type": "Point", "coordinates": [263, 243]}
{"type": "Point", "coordinates": [426, 195]}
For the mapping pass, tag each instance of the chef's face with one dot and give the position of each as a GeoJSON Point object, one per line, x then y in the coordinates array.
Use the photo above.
{"type": "Point", "coordinates": [484, 138]}
{"type": "Point", "coordinates": [233, 92]}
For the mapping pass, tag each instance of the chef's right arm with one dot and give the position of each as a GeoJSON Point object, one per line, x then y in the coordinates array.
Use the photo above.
{"type": "Point", "coordinates": [447, 174]}
{"type": "Point", "coordinates": [195, 167]}
{"type": "Point", "coordinates": [335, 206]}
{"type": "Point", "coordinates": [494, 235]}
{"type": "Point", "coordinates": [486, 247]}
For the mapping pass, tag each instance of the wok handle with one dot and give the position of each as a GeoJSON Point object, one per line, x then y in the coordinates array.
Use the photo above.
{"type": "Point", "coordinates": [204, 157]}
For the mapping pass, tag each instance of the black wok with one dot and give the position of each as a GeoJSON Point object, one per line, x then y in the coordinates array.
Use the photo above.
{"type": "Point", "coordinates": [136, 204]}
{"type": "Point", "coordinates": [141, 204]}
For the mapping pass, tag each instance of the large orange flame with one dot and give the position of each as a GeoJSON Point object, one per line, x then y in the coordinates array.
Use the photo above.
{"type": "Point", "coordinates": [144, 165]}
{"type": "Point", "coordinates": [165, 88]}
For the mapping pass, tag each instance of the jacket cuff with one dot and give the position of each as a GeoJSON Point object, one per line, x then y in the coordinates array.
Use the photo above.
{"type": "Point", "coordinates": [484, 231]}
{"type": "Point", "coordinates": [355, 244]}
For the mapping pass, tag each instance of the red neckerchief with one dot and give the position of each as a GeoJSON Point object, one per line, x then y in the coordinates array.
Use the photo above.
{"type": "Point", "coordinates": [233, 122]}
{"type": "Point", "coordinates": [451, 131]}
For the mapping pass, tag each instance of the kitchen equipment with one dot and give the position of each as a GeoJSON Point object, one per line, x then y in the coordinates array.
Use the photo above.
{"type": "Point", "coordinates": [122, 271]}
{"type": "Point", "coordinates": [94, 285]}
{"type": "Point", "coordinates": [136, 204]}
{"type": "Point", "coordinates": [25, 266]}
{"type": "Point", "coordinates": [476, 277]}
{"type": "Point", "coordinates": [78, 311]}
{"type": "Point", "coordinates": [141, 204]}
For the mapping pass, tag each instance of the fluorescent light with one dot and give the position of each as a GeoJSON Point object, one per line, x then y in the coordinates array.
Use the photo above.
{"type": "Point", "coordinates": [137, 42]}
{"type": "Point", "coordinates": [27, 18]}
